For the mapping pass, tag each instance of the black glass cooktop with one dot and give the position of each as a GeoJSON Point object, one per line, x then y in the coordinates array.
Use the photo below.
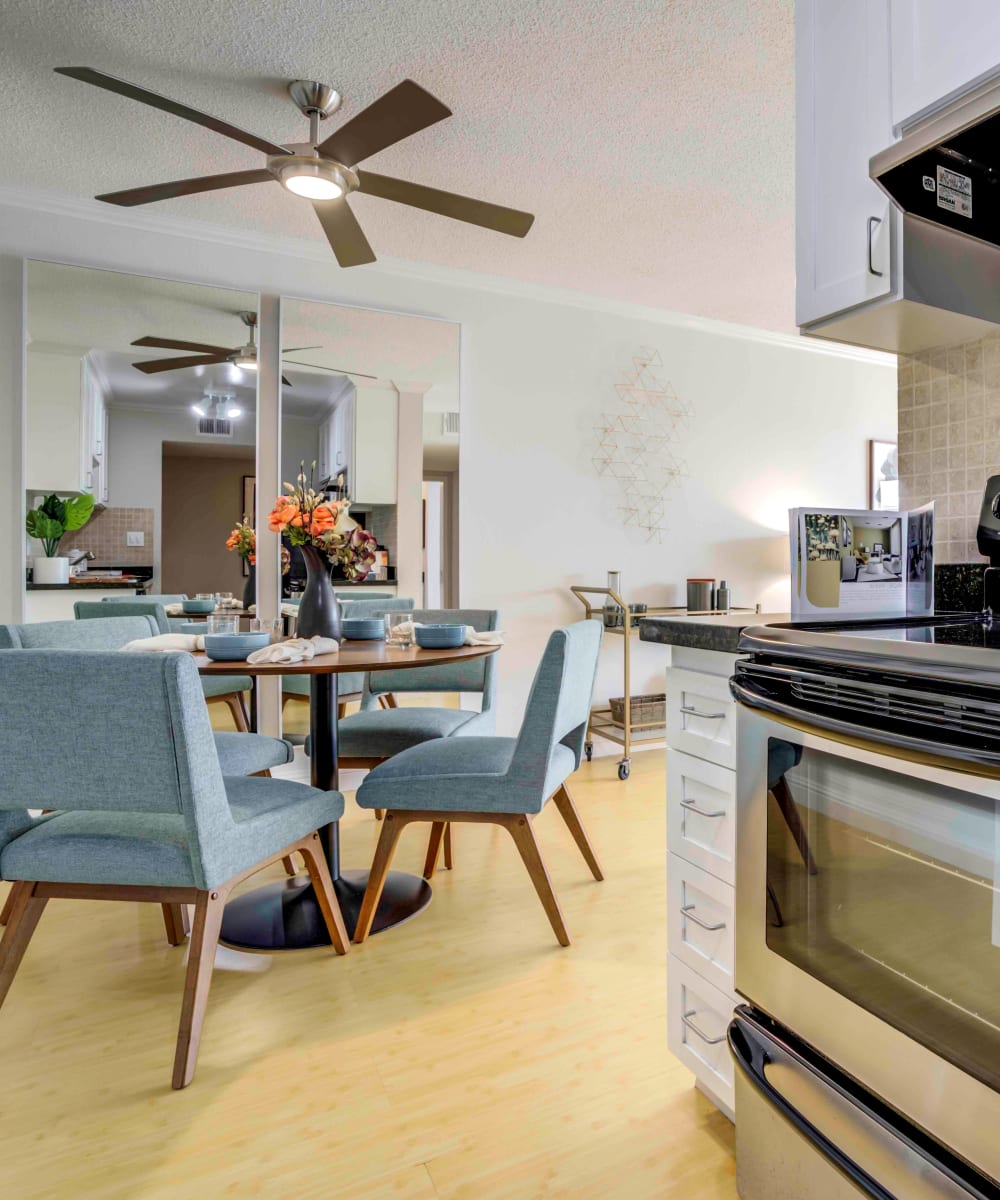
{"type": "Point", "coordinates": [958, 629]}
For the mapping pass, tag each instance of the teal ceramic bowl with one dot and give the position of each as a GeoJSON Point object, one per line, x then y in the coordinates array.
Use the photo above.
{"type": "Point", "coordinates": [198, 606]}
{"type": "Point", "coordinates": [234, 647]}
{"type": "Point", "coordinates": [440, 637]}
{"type": "Point", "coordinates": [363, 629]}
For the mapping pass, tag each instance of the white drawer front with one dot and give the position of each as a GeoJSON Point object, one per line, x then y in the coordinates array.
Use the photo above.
{"type": "Point", "coordinates": [700, 910]}
{"type": "Point", "coordinates": [697, 1018]}
{"type": "Point", "coordinates": [701, 813]}
{"type": "Point", "coordinates": [701, 716]}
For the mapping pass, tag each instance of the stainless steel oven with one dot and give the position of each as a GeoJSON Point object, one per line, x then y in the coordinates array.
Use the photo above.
{"type": "Point", "coordinates": [868, 911]}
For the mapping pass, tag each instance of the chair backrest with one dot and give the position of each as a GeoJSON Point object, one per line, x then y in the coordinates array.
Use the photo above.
{"type": "Point", "coordinates": [163, 598]}
{"type": "Point", "coordinates": [374, 606]}
{"type": "Point", "coordinates": [110, 634]}
{"type": "Point", "coordinates": [349, 597]}
{"type": "Point", "coordinates": [72, 724]}
{"type": "Point", "coordinates": [558, 707]}
{"type": "Point", "coordinates": [473, 675]}
{"type": "Point", "coordinates": [87, 610]}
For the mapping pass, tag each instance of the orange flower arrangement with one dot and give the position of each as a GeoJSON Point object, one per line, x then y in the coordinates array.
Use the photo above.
{"type": "Point", "coordinates": [307, 518]}
{"type": "Point", "coordinates": [243, 540]}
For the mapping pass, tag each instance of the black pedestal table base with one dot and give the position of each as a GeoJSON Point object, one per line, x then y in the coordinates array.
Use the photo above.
{"type": "Point", "coordinates": [286, 915]}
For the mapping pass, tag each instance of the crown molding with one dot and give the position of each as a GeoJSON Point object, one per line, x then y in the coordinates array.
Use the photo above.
{"type": "Point", "coordinates": [61, 205]}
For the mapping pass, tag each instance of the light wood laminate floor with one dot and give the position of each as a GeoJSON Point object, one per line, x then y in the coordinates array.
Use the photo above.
{"type": "Point", "coordinates": [461, 1056]}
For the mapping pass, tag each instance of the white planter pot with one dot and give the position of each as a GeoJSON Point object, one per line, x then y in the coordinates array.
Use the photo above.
{"type": "Point", "coordinates": [50, 570]}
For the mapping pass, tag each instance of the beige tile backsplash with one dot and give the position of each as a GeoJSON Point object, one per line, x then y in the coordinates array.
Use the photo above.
{"type": "Point", "coordinates": [949, 438]}
{"type": "Point", "coordinates": [104, 534]}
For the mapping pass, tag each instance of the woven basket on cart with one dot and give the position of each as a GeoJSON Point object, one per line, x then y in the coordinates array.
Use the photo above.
{"type": "Point", "coordinates": [646, 710]}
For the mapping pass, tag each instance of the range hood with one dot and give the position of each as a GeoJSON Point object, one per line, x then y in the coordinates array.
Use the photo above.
{"type": "Point", "coordinates": [944, 177]}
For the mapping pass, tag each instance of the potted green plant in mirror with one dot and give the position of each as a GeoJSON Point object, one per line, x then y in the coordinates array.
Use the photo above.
{"type": "Point", "coordinates": [48, 522]}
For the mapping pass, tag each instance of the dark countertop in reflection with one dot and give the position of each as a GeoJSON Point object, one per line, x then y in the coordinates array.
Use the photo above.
{"type": "Point", "coordinates": [704, 631]}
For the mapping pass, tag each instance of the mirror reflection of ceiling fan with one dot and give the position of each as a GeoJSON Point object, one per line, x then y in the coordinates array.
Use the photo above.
{"type": "Point", "coordinates": [244, 357]}
{"type": "Point", "coordinates": [323, 171]}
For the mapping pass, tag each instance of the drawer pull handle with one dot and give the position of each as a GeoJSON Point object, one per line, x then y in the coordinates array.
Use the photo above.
{"type": "Point", "coordinates": [711, 1041]}
{"type": "Point", "coordinates": [702, 812]}
{"type": "Point", "coordinates": [696, 712]}
{"type": "Point", "coordinates": [687, 910]}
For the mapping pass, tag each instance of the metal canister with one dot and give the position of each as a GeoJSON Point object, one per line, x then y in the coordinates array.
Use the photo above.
{"type": "Point", "coordinates": [700, 595]}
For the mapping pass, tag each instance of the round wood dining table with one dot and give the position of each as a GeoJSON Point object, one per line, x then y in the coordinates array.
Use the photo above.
{"type": "Point", "coordinates": [286, 915]}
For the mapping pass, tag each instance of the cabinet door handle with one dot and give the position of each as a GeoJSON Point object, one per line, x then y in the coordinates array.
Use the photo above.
{"type": "Point", "coordinates": [687, 910]}
{"type": "Point", "coordinates": [872, 222]}
{"type": "Point", "coordinates": [696, 712]}
{"type": "Point", "coordinates": [712, 1041]}
{"type": "Point", "coordinates": [702, 812]}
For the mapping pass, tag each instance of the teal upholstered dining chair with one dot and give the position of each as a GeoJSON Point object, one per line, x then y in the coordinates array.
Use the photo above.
{"type": "Point", "coordinates": [223, 689]}
{"type": "Point", "coordinates": [239, 753]}
{"type": "Point", "coordinates": [296, 687]}
{"type": "Point", "coordinates": [174, 832]}
{"type": "Point", "coordinates": [500, 780]}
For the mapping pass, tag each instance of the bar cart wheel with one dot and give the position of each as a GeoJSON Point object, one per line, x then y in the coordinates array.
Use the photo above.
{"type": "Point", "coordinates": [624, 769]}
{"type": "Point", "coordinates": [588, 749]}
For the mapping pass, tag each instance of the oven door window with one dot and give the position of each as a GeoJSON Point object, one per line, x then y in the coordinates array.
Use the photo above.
{"type": "Point", "coordinates": [884, 887]}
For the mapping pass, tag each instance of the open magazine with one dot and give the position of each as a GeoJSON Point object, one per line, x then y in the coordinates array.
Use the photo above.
{"type": "Point", "coordinates": [851, 562]}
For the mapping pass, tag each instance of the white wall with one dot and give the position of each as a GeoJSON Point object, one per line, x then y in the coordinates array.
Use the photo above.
{"type": "Point", "coordinates": [135, 459]}
{"type": "Point", "coordinates": [777, 421]}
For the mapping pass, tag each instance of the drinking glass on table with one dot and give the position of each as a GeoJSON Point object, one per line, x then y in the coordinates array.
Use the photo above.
{"type": "Point", "coordinates": [399, 629]}
{"type": "Point", "coordinates": [224, 599]}
{"type": "Point", "coordinates": [219, 624]}
{"type": "Point", "coordinates": [274, 628]}
{"type": "Point", "coordinates": [205, 596]}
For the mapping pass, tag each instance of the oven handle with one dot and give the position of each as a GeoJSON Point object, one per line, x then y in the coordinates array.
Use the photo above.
{"type": "Point", "coordinates": [756, 1046]}
{"type": "Point", "coordinates": [950, 758]}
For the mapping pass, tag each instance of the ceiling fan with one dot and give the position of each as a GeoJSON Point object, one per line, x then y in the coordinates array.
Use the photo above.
{"type": "Point", "coordinates": [244, 357]}
{"type": "Point", "coordinates": [323, 171]}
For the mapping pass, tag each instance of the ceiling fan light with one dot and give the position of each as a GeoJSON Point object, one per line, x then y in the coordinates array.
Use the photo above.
{"type": "Point", "coordinates": [310, 176]}
{"type": "Point", "coordinates": [246, 358]}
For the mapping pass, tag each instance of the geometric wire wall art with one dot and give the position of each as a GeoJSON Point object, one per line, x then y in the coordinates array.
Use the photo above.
{"type": "Point", "coordinates": [637, 444]}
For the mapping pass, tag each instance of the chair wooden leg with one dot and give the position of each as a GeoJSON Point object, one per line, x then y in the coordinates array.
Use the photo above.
{"type": "Point", "coordinates": [387, 700]}
{"type": "Point", "coordinates": [790, 811]}
{"type": "Point", "coordinates": [392, 827]}
{"type": "Point", "coordinates": [201, 960]}
{"type": "Point", "coordinates": [564, 802]}
{"type": "Point", "coordinates": [319, 873]}
{"type": "Point", "coordinates": [235, 703]}
{"type": "Point", "coordinates": [434, 848]}
{"type": "Point", "coordinates": [8, 906]}
{"type": "Point", "coordinates": [341, 710]}
{"type": "Point", "coordinates": [447, 847]}
{"type": "Point", "coordinates": [524, 838]}
{"type": "Point", "coordinates": [289, 864]}
{"type": "Point", "coordinates": [379, 813]}
{"type": "Point", "coordinates": [175, 921]}
{"type": "Point", "coordinates": [25, 914]}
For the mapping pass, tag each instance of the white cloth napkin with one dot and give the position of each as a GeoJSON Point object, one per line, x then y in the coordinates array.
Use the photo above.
{"type": "Point", "coordinates": [294, 650]}
{"type": "Point", "coordinates": [162, 642]}
{"type": "Point", "coordinates": [473, 637]}
{"type": "Point", "coordinates": [174, 610]}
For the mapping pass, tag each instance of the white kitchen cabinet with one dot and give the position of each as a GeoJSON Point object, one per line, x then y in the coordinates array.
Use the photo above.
{"type": "Point", "coordinates": [940, 49]}
{"type": "Point", "coordinates": [56, 425]}
{"type": "Point", "coordinates": [844, 222]}
{"type": "Point", "coordinates": [359, 437]}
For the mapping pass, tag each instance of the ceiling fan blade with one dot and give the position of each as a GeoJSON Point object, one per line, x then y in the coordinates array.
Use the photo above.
{"type": "Point", "coordinates": [336, 370]}
{"type": "Point", "coordinates": [296, 349]}
{"type": "Point", "coordinates": [112, 83]}
{"type": "Point", "coordinates": [170, 344]}
{"type": "Point", "coordinates": [184, 187]}
{"type": "Point", "coordinates": [343, 232]}
{"type": "Point", "coordinates": [449, 204]}
{"type": "Point", "coordinates": [175, 364]}
{"type": "Point", "coordinates": [286, 382]}
{"type": "Point", "coordinates": [402, 111]}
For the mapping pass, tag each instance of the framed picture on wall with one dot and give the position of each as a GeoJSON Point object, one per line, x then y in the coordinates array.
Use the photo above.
{"type": "Point", "coordinates": [883, 476]}
{"type": "Point", "coordinates": [249, 509]}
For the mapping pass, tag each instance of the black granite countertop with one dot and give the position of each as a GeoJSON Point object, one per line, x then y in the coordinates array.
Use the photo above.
{"type": "Point", "coordinates": [91, 585]}
{"type": "Point", "coordinates": [707, 631]}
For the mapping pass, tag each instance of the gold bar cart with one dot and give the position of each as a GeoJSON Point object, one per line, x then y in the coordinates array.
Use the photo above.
{"type": "Point", "coordinates": [626, 733]}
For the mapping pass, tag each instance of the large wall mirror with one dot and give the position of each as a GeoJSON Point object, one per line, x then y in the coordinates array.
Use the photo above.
{"type": "Point", "coordinates": [162, 434]}
{"type": "Point", "coordinates": [372, 399]}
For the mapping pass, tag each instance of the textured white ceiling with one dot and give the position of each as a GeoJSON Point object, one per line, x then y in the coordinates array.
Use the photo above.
{"type": "Point", "coordinates": [653, 139]}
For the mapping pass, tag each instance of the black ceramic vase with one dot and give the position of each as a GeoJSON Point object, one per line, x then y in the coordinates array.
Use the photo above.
{"type": "Point", "coordinates": [319, 609]}
{"type": "Point", "coordinates": [250, 588]}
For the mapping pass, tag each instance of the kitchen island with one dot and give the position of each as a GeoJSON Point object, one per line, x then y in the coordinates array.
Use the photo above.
{"type": "Point", "coordinates": [54, 601]}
